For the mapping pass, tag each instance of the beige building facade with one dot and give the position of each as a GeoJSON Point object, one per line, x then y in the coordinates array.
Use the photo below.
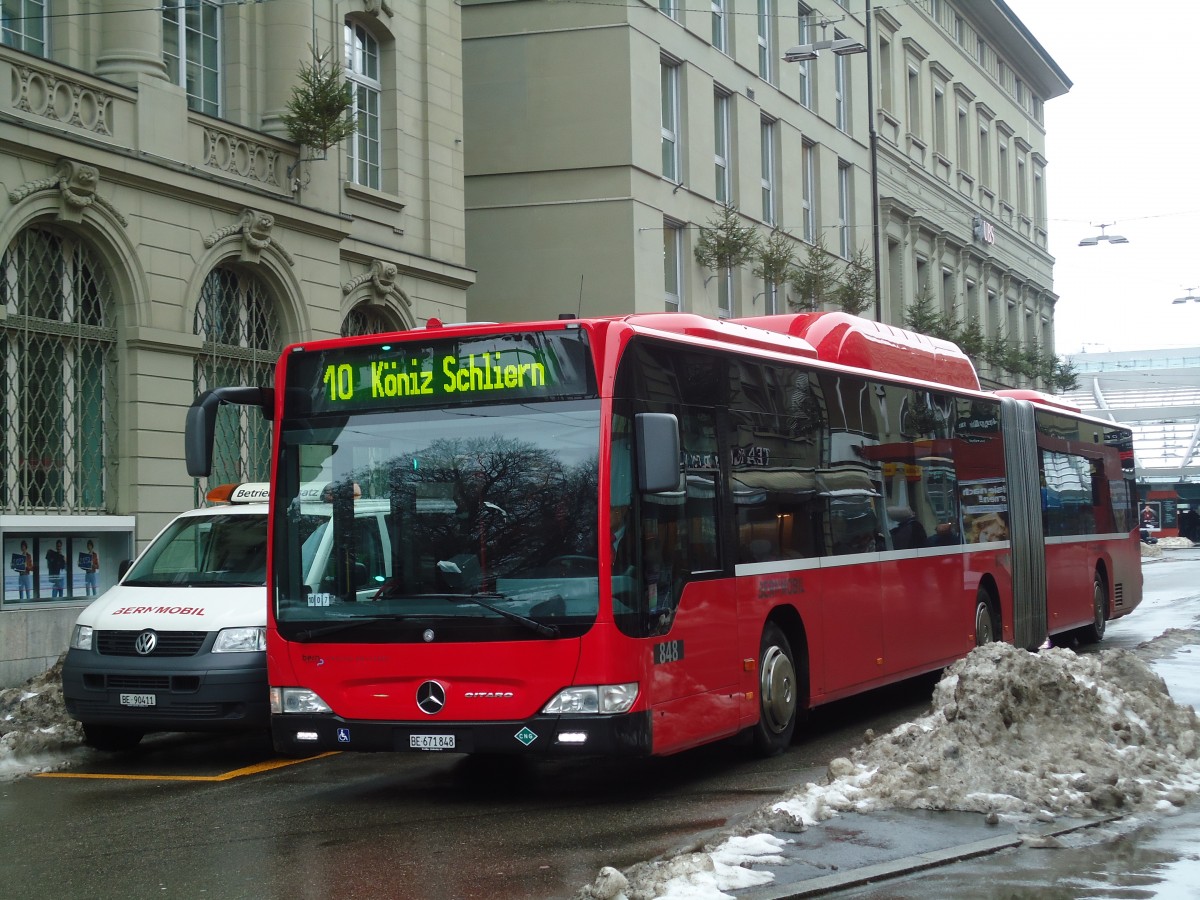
{"type": "Point", "coordinates": [602, 137]}
{"type": "Point", "coordinates": [161, 235]}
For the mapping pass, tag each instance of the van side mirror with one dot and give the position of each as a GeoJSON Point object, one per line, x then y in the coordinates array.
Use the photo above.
{"type": "Point", "coordinates": [124, 567]}
{"type": "Point", "coordinates": [656, 437]}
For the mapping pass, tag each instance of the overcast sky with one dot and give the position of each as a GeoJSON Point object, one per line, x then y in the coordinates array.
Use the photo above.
{"type": "Point", "coordinates": [1123, 148]}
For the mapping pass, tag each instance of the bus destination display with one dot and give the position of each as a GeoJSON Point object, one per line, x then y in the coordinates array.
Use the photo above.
{"type": "Point", "coordinates": [538, 365]}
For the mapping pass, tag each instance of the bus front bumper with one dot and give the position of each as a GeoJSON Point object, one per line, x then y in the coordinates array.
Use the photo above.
{"type": "Point", "coordinates": [548, 736]}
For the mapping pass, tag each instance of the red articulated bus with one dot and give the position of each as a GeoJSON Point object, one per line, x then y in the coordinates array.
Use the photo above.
{"type": "Point", "coordinates": [636, 535]}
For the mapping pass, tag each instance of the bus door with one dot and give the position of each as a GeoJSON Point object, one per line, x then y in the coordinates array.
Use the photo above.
{"type": "Point", "coordinates": [1025, 530]}
{"type": "Point", "coordinates": [668, 572]}
{"type": "Point", "coordinates": [851, 585]}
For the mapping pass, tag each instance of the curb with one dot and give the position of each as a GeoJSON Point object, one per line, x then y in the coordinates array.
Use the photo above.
{"type": "Point", "coordinates": [827, 884]}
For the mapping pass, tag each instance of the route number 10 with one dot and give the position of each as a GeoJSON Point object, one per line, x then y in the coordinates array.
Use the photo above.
{"type": "Point", "coordinates": [340, 380]}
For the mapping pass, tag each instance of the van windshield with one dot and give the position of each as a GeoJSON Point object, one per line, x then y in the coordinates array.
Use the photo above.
{"type": "Point", "coordinates": [220, 550]}
{"type": "Point", "coordinates": [479, 524]}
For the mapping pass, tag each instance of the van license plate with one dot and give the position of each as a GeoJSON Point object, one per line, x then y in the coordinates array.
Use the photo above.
{"type": "Point", "coordinates": [431, 741]}
{"type": "Point", "coordinates": [138, 700]}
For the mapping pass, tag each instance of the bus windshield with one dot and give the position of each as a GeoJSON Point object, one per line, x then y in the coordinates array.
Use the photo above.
{"type": "Point", "coordinates": [472, 524]}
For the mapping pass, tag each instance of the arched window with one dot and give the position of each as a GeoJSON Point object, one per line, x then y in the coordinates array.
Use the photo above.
{"type": "Point", "coordinates": [364, 319]}
{"type": "Point", "coordinates": [57, 381]}
{"type": "Point", "coordinates": [237, 319]}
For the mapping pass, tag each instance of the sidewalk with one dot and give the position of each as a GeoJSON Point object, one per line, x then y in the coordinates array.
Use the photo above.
{"type": "Point", "coordinates": [855, 849]}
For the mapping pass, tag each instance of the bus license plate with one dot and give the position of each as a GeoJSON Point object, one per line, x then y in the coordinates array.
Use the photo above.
{"type": "Point", "coordinates": [138, 700]}
{"type": "Point", "coordinates": [431, 741]}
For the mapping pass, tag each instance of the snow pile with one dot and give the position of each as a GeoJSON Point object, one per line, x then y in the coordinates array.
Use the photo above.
{"type": "Point", "coordinates": [1022, 735]}
{"type": "Point", "coordinates": [36, 734]}
{"type": "Point", "coordinates": [1151, 550]}
{"type": "Point", "coordinates": [695, 875]}
{"type": "Point", "coordinates": [1175, 543]}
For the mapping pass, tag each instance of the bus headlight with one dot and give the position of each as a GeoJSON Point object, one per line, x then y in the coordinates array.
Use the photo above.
{"type": "Point", "coordinates": [595, 699]}
{"type": "Point", "coordinates": [297, 700]}
{"type": "Point", "coordinates": [81, 637]}
{"type": "Point", "coordinates": [240, 640]}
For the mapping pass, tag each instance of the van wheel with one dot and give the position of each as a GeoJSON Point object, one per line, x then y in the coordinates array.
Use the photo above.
{"type": "Point", "coordinates": [1094, 633]}
{"type": "Point", "coordinates": [113, 738]}
{"type": "Point", "coordinates": [777, 693]}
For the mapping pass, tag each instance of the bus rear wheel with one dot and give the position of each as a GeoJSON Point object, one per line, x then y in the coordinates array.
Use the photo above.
{"type": "Point", "coordinates": [985, 626]}
{"type": "Point", "coordinates": [1094, 633]}
{"type": "Point", "coordinates": [778, 693]}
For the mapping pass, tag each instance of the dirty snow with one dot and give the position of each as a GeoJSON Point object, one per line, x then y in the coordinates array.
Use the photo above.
{"type": "Point", "coordinates": [1021, 737]}
{"type": "Point", "coordinates": [36, 735]}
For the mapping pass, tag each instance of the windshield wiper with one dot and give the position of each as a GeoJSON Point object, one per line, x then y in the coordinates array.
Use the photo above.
{"type": "Point", "coordinates": [309, 634]}
{"type": "Point", "coordinates": [532, 624]}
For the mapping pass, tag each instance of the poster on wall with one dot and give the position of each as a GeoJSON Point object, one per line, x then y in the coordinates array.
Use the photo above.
{"type": "Point", "coordinates": [1151, 515]}
{"type": "Point", "coordinates": [20, 566]}
{"type": "Point", "coordinates": [52, 574]}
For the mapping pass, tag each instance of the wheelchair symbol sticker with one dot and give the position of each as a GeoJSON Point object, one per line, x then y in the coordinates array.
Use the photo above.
{"type": "Point", "coordinates": [343, 735]}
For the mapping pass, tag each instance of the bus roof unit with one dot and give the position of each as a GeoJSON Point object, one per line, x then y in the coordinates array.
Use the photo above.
{"type": "Point", "coordinates": [865, 344]}
{"type": "Point", "coordinates": [1039, 398]}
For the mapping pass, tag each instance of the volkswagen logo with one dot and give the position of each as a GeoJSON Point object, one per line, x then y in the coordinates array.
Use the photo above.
{"type": "Point", "coordinates": [145, 643]}
{"type": "Point", "coordinates": [431, 697]}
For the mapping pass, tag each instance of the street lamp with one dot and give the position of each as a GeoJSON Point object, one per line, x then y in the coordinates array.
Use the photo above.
{"type": "Point", "coordinates": [1102, 236]}
{"type": "Point", "coordinates": [848, 47]}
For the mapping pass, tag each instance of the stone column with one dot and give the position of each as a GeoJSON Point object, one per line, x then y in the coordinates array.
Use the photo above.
{"type": "Point", "coordinates": [130, 42]}
{"type": "Point", "coordinates": [290, 31]}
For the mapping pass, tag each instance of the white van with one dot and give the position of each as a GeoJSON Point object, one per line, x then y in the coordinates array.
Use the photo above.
{"type": "Point", "coordinates": [179, 643]}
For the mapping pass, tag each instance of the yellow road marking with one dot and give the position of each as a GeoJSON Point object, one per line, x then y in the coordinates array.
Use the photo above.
{"type": "Point", "coordinates": [224, 776]}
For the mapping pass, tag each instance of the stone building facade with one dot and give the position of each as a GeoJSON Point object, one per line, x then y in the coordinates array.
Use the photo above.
{"type": "Point", "coordinates": [602, 137]}
{"type": "Point", "coordinates": [160, 235]}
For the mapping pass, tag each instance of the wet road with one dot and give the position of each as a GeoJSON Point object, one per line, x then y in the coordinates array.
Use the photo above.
{"type": "Point", "coordinates": [189, 817]}
{"type": "Point", "coordinates": [172, 821]}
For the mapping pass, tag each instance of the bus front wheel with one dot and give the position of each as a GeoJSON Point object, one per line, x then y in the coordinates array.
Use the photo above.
{"type": "Point", "coordinates": [778, 695]}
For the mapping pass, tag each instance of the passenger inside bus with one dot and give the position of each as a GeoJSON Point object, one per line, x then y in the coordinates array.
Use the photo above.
{"type": "Point", "coordinates": [908, 533]}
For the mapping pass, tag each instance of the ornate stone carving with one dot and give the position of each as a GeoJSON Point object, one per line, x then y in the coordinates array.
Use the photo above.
{"type": "Point", "coordinates": [76, 184]}
{"type": "Point", "coordinates": [382, 279]}
{"type": "Point", "coordinates": [240, 156]}
{"type": "Point", "coordinates": [70, 102]}
{"type": "Point", "coordinates": [375, 7]}
{"type": "Point", "coordinates": [255, 228]}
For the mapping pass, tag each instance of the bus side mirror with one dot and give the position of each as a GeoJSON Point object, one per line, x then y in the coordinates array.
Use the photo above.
{"type": "Point", "coordinates": [657, 442]}
{"type": "Point", "coordinates": [200, 426]}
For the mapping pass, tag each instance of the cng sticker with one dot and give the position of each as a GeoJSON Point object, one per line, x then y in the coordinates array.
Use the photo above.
{"type": "Point", "coordinates": [525, 736]}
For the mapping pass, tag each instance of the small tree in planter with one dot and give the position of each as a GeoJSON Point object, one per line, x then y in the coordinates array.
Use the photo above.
{"type": "Point", "coordinates": [815, 279]}
{"type": "Point", "coordinates": [855, 292]}
{"type": "Point", "coordinates": [725, 243]}
{"type": "Point", "coordinates": [318, 114]}
{"type": "Point", "coordinates": [776, 258]}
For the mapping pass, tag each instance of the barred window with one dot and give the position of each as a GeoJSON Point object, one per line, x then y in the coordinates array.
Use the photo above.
{"type": "Point", "coordinates": [364, 319]}
{"type": "Point", "coordinates": [238, 321]}
{"type": "Point", "coordinates": [58, 376]}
